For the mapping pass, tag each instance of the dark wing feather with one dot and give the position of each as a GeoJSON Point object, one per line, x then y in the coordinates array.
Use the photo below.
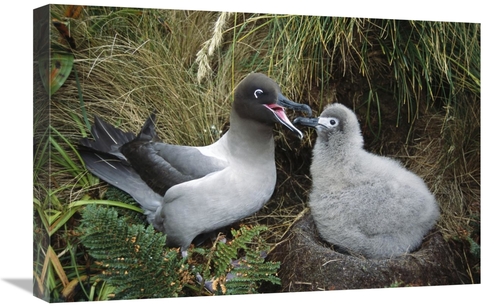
{"type": "Point", "coordinates": [132, 163]}
{"type": "Point", "coordinates": [163, 165]}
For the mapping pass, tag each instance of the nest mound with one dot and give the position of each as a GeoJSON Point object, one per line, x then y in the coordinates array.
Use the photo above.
{"type": "Point", "coordinates": [309, 264]}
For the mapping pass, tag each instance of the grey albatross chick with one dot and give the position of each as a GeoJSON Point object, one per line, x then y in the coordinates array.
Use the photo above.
{"type": "Point", "coordinates": [187, 191]}
{"type": "Point", "coordinates": [365, 203]}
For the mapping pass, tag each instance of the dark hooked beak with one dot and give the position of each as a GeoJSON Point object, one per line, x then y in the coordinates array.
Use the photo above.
{"type": "Point", "coordinates": [287, 103]}
{"type": "Point", "coordinates": [279, 112]}
{"type": "Point", "coordinates": [306, 121]}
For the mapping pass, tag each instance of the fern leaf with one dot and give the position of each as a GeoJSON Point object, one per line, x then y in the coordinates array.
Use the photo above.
{"type": "Point", "coordinates": [239, 266]}
{"type": "Point", "coordinates": [132, 258]}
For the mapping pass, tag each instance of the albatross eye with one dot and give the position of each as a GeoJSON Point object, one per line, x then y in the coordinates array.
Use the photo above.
{"type": "Point", "coordinates": [258, 92]}
{"type": "Point", "coordinates": [333, 122]}
{"type": "Point", "coordinates": [330, 123]}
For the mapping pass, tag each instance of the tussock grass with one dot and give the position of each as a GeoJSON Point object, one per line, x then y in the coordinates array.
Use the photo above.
{"type": "Point", "coordinates": [125, 79]}
{"type": "Point", "coordinates": [414, 85]}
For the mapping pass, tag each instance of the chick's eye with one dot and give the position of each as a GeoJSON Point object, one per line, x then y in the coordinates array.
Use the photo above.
{"type": "Point", "coordinates": [332, 122]}
{"type": "Point", "coordinates": [258, 92]}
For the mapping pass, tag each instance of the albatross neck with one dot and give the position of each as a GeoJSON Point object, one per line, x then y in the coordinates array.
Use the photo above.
{"type": "Point", "coordinates": [250, 138]}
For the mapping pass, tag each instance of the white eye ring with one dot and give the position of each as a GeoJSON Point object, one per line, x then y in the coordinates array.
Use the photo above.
{"type": "Point", "coordinates": [258, 92]}
{"type": "Point", "coordinates": [329, 122]}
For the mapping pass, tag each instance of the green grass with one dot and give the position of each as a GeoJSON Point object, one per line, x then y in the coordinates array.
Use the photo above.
{"type": "Point", "coordinates": [415, 86]}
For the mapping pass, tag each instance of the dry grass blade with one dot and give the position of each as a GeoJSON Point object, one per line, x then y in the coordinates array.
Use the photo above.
{"type": "Point", "coordinates": [207, 51]}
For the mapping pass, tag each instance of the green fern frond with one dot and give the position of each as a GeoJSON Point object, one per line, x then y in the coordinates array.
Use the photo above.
{"type": "Point", "coordinates": [132, 258]}
{"type": "Point", "coordinates": [239, 266]}
{"type": "Point", "coordinates": [249, 274]}
{"type": "Point", "coordinates": [227, 252]}
{"type": "Point", "coordinates": [113, 193]}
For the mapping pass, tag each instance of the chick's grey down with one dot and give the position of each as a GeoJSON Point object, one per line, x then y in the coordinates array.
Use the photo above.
{"type": "Point", "coordinates": [187, 191]}
{"type": "Point", "coordinates": [362, 202]}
